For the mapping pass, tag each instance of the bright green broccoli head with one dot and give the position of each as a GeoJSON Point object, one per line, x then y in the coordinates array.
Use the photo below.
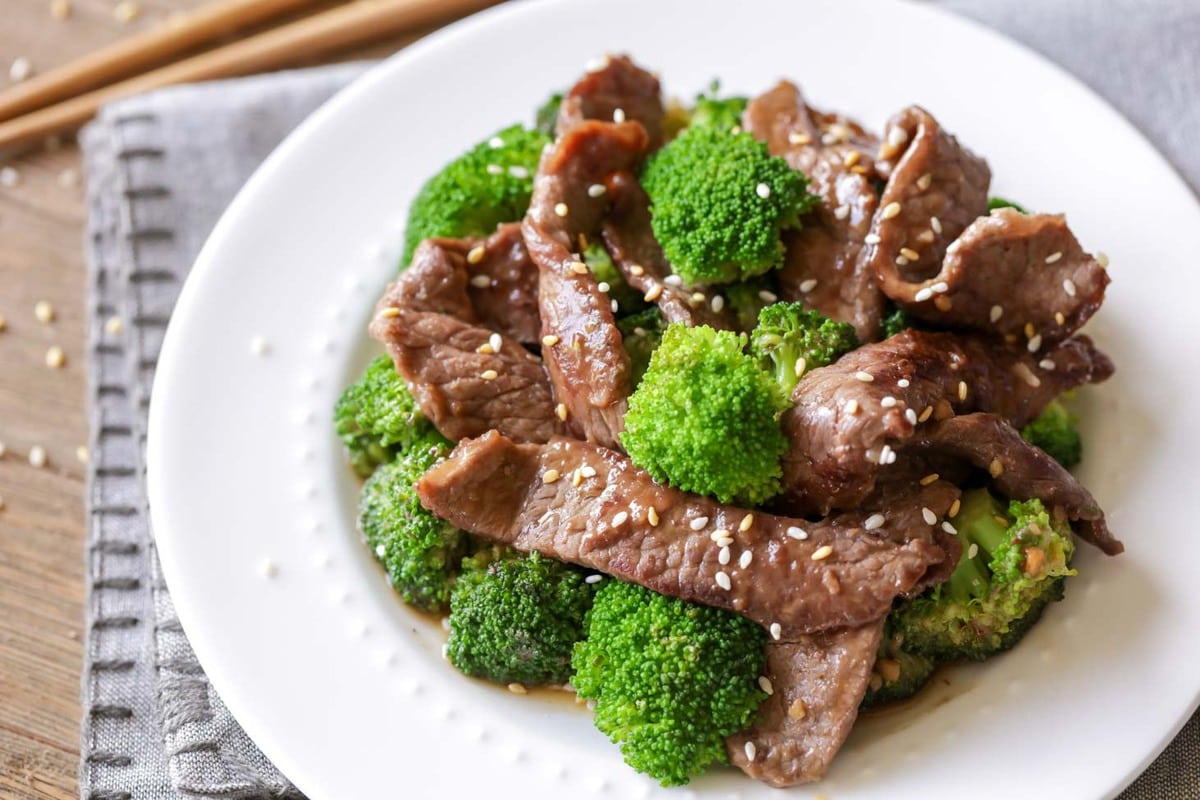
{"type": "Point", "coordinates": [745, 301]}
{"type": "Point", "coordinates": [516, 619]}
{"type": "Point", "coordinates": [790, 340]}
{"type": "Point", "coordinates": [611, 281]}
{"type": "Point", "coordinates": [1054, 431]}
{"type": "Point", "coordinates": [705, 417]}
{"type": "Point", "coordinates": [641, 333]}
{"type": "Point", "coordinates": [1013, 564]}
{"type": "Point", "coordinates": [670, 679]}
{"type": "Point", "coordinates": [420, 552]}
{"type": "Point", "coordinates": [546, 118]}
{"type": "Point", "coordinates": [488, 185]}
{"type": "Point", "coordinates": [722, 113]}
{"type": "Point", "coordinates": [1000, 202]}
{"type": "Point", "coordinates": [894, 322]}
{"type": "Point", "coordinates": [898, 674]}
{"type": "Point", "coordinates": [718, 202]}
{"type": "Point", "coordinates": [376, 417]}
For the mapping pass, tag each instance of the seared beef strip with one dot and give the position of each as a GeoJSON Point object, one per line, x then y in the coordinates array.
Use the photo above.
{"type": "Point", "coordinates": [1019, 471]}
{"type": "Point", "coordinates": [581, 345]}
{"type": "Point", "coordinates": [617, 91]}
{"type": "Point", "coordinates": [591, 506]}
{"type": "Point", "coordinates": [818, 682]}
{"type": "Point", "coordinates": [825, 267]}
{"type": "Point", "coordinates": [506, 301]}
{"type": "Point", "coordinates": [442, 342]}
{"type": "Point", "coordinates": [631, 243]}
{"type": "Point", "coordinates": [846, 414]}
{"type": "Point", "coordinates": [935, 189]}
{"type": "Point", "coordinates": [1022, 276]}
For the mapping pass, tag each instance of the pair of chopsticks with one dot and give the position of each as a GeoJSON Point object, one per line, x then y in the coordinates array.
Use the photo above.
{"type": "Point", "coordinates": [63, 99]}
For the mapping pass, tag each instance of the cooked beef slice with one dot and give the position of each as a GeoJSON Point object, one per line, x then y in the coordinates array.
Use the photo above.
{"type": "Point", "coordinates": [587, 363]}
{"type": "Point", "coordinates": [825, 266]}
{"type": "Point", "coordinates": [818, 682]}
{"type": "Point", "coordinates": [935, 189]}
{"type": "Point", "coordinates": [441, 334]}
{"type": "Point", "coordinates": [849, 420]}
{"type": "Point", "coordinates": [636, 253]}
{"type": "Point", "coordinates": [503, 284]}
{"type": "Point", "coordinates": [1018, 470]}
{"type": "Point", "coordinates": [591, 506]}
{"type": "Point", "coordinates": [618, 90]}
{"type": "Point", "coordinates": [1020, 276]}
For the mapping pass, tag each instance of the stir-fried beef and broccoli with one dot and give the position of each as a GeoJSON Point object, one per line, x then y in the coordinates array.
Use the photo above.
{"type": "Point", "coordinates": [730, 416]}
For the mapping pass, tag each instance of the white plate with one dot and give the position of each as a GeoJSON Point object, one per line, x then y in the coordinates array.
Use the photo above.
{"type": "Point", "coordinates": [345, 688]}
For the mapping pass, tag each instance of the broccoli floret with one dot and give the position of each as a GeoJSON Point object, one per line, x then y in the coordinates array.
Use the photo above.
{"type": "Point", "coordinates": [718, 202]}
{"type": "Point", "coordinates": [1054, 431]}
{"type": "Point", "coordinates": [746, 300]}
{"type": "Point", "coordinates": [670, 679]}
{"type": "Point", "coordinates": [516, 619]}
{"type": "Point", "coordinates": [894, 322]}
{"type": "Point", "coordinates": [790, 340]}
{"type": "Point", "coordinates": [898, 674]}
{"type": "Point", "coordinates": [705, 417]}
{"type": "Point", "coordinates": [487, 185]}
{"type": "Point", "coordinates": [1014, 563]}
{"type": "Point", "coordinates": [419, 551]}
{"type": "Point", "coordinates": [641, 334]}
{"type": "Point", "coordinates": [612, 282]}
{"type": "Point", "coordinates": [377, 417]}
{"type": "Point", "coordinates": [1000, 202]}
{"type": "Point", "coordinates": [546, 118]}
{"type": "Point", "coordinates": [722, 113]}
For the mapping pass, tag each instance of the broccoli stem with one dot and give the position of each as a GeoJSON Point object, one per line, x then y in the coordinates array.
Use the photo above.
{"type": "Point", "coordinates": [979, 523]}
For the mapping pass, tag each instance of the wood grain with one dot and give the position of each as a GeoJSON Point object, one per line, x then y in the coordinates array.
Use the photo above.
{"type": "Point", "coordinates": [41, 520]}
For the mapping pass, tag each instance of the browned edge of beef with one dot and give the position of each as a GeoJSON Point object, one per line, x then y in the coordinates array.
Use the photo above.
{"type": "Point", "coordinates": [616, 91]}
{"type": "Point", "coordinates": [588, 505]}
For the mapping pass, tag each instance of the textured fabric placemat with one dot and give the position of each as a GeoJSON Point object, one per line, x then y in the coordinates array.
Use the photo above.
{"type": "Point", "coordinates": [160, 170]}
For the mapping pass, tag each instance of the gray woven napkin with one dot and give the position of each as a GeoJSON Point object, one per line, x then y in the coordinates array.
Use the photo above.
{"type": "Point", "coordinates": [162, 167]}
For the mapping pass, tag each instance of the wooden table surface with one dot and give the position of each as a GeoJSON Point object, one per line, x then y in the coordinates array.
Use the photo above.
{"type": "Point", "coordinates": [42, 528]}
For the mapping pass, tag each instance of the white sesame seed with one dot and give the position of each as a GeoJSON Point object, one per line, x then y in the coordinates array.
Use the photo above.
{"type": "Point", "coordinates": [842, 211]}
{"type": "Point", "coordinates": [798, 139]}
{"type": "Point", "coordinates": [518, 172]}
{"type": "Point", "coordinates": [955, 507]}
{"type": "Point", "coordinates": [593, 578]}
{"type": "Point", "coordinates": [1047, 364]}
{"type": "Point", "coordinates": [1026, 374]}
{"type": "Point", "coordinates": [481, 281]}
{"type": "Point", "coordinates": [1055, 256]}
{"type": "Point", "coordinates": [603, 286]}
{"type": "Point", "coordinates": [892, 209]}
{"type": "Point", "coordinates": [903, 383]}
{"type": "Point", "coordinates": [597, 190]}
{"type": "Point", "coordinates": [910, 415]}
{"type": "Point", "coordinates": [808, 285]}
{"type": "Point", "coordinates": [763, 191]}
{"type": "Point", "coordinates": [380, 551]}
{"type": "Point", "coordinates": [637, 270]}
{"type": "Point", "coordinates": [55, 357]}
{"type": "Point", "coordinates": [885, 454]}
{"type": "Point", "coordinates": [724, 541]}
{"type": "Point", "coordinates": [751, 751]}
{"type": "Point", "coordinates": [560, 411]}
{"type": "Point", "coordinates": [21, 69]}
{"type": "Point", "coordinates": [923, 295]}
{"type": "Point", "coordinates": [495, 169]}
{"type": "Point", "coordinates": [550, 476]}
{"type": "Point", "coordinates": [1069, 286]}
{"type": "Point", "coordinates": [874, 521]}
{"type": "Point", "coordinates": [698, 523]}
{"type": "Point", "coordinates": [1102, 260]}
{"type": "Point", "coordinates": [620, 518]}
{"type": "Point", "coordinates": [871, 238]}
{"type": "Point", "coordinates": [935, 224]}
{"type": "Point", "coordinates": [489, 374]}
{"type": "Point", "coordinates": [764, 683]}
{"type": "Point", "coordinates": [717, 303]}
{"type": "Point", "coordinates": [37, 456]}
{"type": "Point", "coordinates": [928, 515]}
{"type": "Point", "coordinates": [268, 568]}
{"type": "Point", "coordinates": [821, 553]}
{"type": "Point", "coordinates": [865, 377]}
{"type": "Point", "coordinates": [1035, 343]}
{"type": "Point", "coordinates": [996, 468]}
{"type": "Point", "coordinates": [888, 402]}
{"type": "Point", "coordinates": [996, 312]}
{"type": "Point", "coordinates": [941, 287]}
{"type": "Point", "coordinates": [797, 533]}
{"type": "Point", "coordinates": [652, 516]}
{"type": "Point", "coordinates": [579, 268]}
{"type": "Point", "coordinates": [962, 390]}
{"type": "Point", "coordinates": [596, 64]}
{"type": "Point", "coordinates": [767, 297]}
{"type": "Point", "coordinates": [587, 471]}
{"type": "Point", "coordinates": [926, 414]}
{"type": "Point", "coordinates": [549, 340]}
{"type": "Point", "coordinates": [948, 528]}
{"type": "Point", "coordinates": [259, 346]}
{"type": "Point", "coordinates": [718, 534]}
{"type": "Point", "coordinates": [776, 631]}
{"type": "Point", "coordinates": [673, 280]}
{"type": "Point", "coordinates": [495, 142]}
{"type": "Point", "coordinates": [800, 366]}
{"type": "Point", "coordinates": [654, 293]}
{"type": "Point", "coordinates": [517, 688]}
{"type": "Point", "coordinates": [747, 557]}
{"type": "Point", "coordinates": [486, 349]}
{"type": "Point", "coordinates": [973, 550]}
{"type": "Point", "coordinates": [723, 581]}
{"type": "Point", "coordinates": [1059, 319]}
{"type": "Point", "coordinates": [561, 209]}
{"type": "Point", "coordinates": [723, 556]}
{"type": "Point", "coordinates": [44, 312]}
{"type": "Point", "coordinates": [391, 312]}
{"type": "Point", "coordinates": [851, 406]}
{"type": "Point", "coordinates": [909, 253]}
{"type": "Point", "coordinates": [576, 477]}
{"type": "Point", "coordinates": [896, 137]}
{"type": "Point", "coordinates": [924, 182]}
{"type": "Point", "coordinates": [495, 341]}
{"type": "Point", "coordinates": [901, 261]}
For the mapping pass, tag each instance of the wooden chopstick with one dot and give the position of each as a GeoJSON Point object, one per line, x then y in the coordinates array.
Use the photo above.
{"type": "Point", "coordinates": [331, 31]}
{"type": "Point", "coordinates": [130, 56]}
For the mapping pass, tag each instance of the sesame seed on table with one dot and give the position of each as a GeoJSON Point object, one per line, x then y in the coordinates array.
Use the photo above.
{"type": "Point", "coordinates": [43, 319]}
